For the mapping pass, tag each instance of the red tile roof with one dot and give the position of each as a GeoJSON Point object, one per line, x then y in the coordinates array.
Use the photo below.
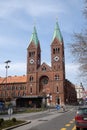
{"type": "Point", "coordinates": [13, 79]}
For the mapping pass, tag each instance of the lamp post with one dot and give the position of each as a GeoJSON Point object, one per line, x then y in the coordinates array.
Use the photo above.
{"type": "Point", "coordinates": [57, 98]}
{"type": "Point", "coordinates": [7, 66]}
{"type": "Point", "coordinates": [50, 100]}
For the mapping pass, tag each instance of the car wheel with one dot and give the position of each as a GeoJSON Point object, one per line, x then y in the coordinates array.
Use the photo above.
{"type": "Point", "coordinates": [77, 128]}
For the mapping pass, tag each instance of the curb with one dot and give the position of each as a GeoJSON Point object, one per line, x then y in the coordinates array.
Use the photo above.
{"type": "Point", "coordinates": [12, 127]}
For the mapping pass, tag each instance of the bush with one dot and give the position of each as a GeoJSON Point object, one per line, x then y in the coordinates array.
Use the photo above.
{"type": "Point", "coordinates": [14, 119]}
{"type": "Point", "coordinates": [1, 121]}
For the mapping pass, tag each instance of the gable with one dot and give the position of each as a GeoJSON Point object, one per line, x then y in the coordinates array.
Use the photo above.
{"type": "Point", "coordinates": [44, 67]}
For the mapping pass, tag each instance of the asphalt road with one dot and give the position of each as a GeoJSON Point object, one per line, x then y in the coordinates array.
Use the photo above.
{"type": "Point", "coordinates": [53, 120]}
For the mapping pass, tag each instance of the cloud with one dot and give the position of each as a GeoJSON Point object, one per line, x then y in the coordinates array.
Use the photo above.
{"type": "Point", "coordinates": [43, 9]}
{"type": "Point", "coordinates": [17, 11]}
{"type": "Point", "coordinates": [15, 69]}
{"type": "Point", "coordinates": [33, 8]}
{"type": "Point", "coordinates": [5, 40]}
{"type": "Point", "coordinates": [72, 66]}
{"type": "Point", "coordinates": [16, 18]}
{"type": "Point", "coordinates": [72, 71]}
{"type": "Point", "coordinates": [20, 68]}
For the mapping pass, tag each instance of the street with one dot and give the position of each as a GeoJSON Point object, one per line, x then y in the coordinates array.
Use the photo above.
{"type": "Point", "coordinates": [47, 120]}
{"type": "Point", "coordinates": [53, 120]}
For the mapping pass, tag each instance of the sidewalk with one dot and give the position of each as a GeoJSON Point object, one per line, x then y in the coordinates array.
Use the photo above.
{"type": "Point", "coordinates": [19, 116]}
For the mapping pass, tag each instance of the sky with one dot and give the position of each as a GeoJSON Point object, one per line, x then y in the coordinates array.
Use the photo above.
{"type": "Point", "coordinates": [17, 19]}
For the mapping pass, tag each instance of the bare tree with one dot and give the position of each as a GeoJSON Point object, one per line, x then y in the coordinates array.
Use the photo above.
{"type": "Point", "coordinates": [85, 10]}
{"type": "Point", "coordinates": [79, 47]}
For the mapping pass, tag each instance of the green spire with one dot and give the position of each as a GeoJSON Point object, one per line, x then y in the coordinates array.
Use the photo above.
{"type": "Point", "coordinates": [34, 37]}
{"type": "Point", "coordinates": [57, 33]}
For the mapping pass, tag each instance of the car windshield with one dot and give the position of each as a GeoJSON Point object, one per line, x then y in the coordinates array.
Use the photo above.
{"type": "Point", "coordinates": [82, 111]}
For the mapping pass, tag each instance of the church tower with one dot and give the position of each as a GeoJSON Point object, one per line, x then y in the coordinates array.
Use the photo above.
{"type": "Point", "coordinates": [58, 64]}
{"type": "Point", "coordinates": [43, 79]}
{"type": "Point", "coordinates": [33, 62]}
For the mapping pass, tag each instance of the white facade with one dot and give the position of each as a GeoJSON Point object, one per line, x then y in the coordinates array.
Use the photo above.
{"type": "Point", "coordinates": [80, 92]}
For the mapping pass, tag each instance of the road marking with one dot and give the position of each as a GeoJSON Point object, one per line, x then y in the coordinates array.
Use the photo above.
{"type": "Point", "coordinates": [71, 122]}
{"type": "Point", "coordinates": [67, 125]}
{"type": "Point", "coordinates": [74, 128]}
{"type": "Point", "coordinates": [63, 129]}
{"type": "Point", "coordinates": [73, 119]}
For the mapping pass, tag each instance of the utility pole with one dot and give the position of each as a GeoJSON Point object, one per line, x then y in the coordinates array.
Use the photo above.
{"type": "Point", "coordinates": [7, 66]}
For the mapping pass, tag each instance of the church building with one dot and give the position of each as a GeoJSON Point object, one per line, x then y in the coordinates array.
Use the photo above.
{"type": "Point", "coordinates": [43, 79]}
{"type": "Point", "coordinates": [44, 83]}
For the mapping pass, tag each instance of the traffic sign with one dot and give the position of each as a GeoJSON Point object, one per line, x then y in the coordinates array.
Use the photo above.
{"type": "Point", "coordinates": [57, 107]}
{"type": "Point", "coordinates": [10, 111]}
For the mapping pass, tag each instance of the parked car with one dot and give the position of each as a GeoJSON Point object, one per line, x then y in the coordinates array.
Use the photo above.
{"type": "Point", "coordinates": [81, 118]}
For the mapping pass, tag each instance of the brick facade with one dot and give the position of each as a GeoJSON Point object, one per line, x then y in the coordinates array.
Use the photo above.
{"type": "Point", "coordinates": [42, 80]}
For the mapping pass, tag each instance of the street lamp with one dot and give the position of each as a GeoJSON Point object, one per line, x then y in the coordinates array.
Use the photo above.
{"type": "Point", "coordinates": [7, 66]}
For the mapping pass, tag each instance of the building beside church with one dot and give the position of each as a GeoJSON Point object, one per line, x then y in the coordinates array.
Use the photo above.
{"type": "Point", "coordinates": [43, 82]}
{"type": "Point", "coordinates": [81, 94]}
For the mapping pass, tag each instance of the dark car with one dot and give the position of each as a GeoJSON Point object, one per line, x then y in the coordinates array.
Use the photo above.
{"type": "Point", "coordinates": [81, 118]}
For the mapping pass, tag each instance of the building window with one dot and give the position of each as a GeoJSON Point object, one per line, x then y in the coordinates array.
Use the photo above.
{"type": "Point", "coordinates": [13, 88]}
{"type": "Point", "coordinates": [31, 54]}
{"type": "Point", "coordinates": [18, 93]}
{"type": "Point", "coordinates": [43, 68]}
{"type": "Point", "coordinates": [53, 51]}
{"type": "Point", "coordinates": [56, 50]}
{"type": "Point", "coordinates": [56, 77]}
{"type": "Point", "coordinates": [25, 87]}
{"type": "Point", "coordinates": [31, 78]}
{"type": "Point", "coordinates": [31, 90]}
{"type": "Point", "coordinates": [44, 80]}
{"type": "Point", "coordinates": [57, 90]}
{"type": "Point", "coordinates": [24, 93]}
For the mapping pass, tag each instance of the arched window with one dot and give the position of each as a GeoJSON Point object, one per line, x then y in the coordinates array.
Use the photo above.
{"type": "Point", "coordinates": [56, 50]}
{"type": "Point", "coordinates": [53, 50]}
{"type": "Point", "coordinates": [57, 89]}
{"type": "Point", "coordinates": [31, 90]}
{"type": "Point", "coordinates": [31, 78]}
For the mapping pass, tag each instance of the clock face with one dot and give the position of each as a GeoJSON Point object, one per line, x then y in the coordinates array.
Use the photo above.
{"type": "Point", "coordinates": [31, 61]}
{"type": "Point", "coordinates": [56, 58]}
